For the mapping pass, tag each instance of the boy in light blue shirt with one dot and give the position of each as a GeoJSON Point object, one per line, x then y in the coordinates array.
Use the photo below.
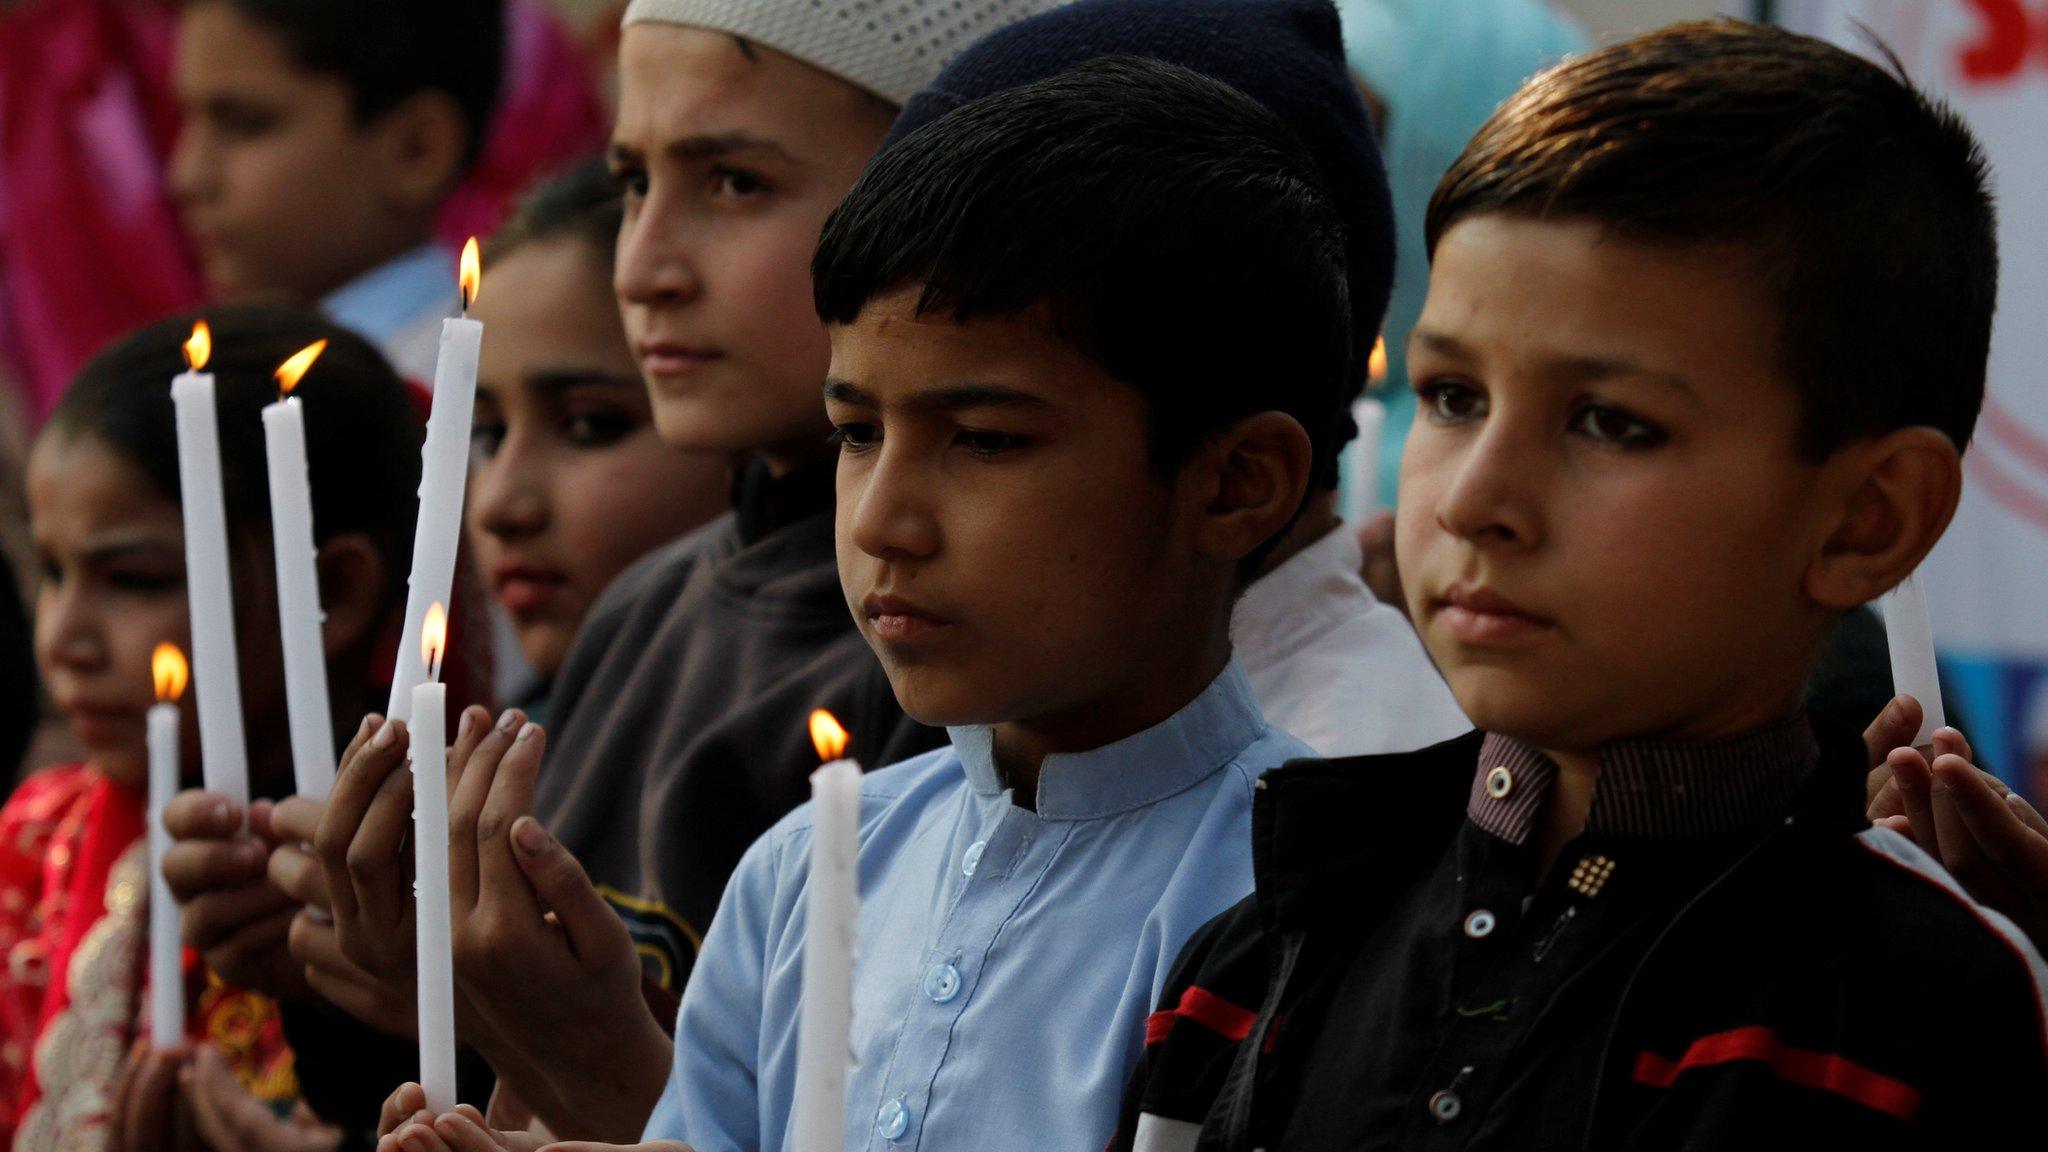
{"type": "Point", "coordinates": [1055, 474]}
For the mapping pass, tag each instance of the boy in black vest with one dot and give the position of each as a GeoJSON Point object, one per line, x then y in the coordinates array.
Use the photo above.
{"type": "Point", "coordinates": [1705, 339]}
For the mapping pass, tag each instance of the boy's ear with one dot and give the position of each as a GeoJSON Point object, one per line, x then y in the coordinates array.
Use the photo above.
{"type": "Point", "coordinates": [1261, 467]}
{"type": "Point", "coordinates": [351, 591]}
{"type": "Point", "coordinates": [422, 142]}
{"type": "Point", "coordinates": [1901, 490]}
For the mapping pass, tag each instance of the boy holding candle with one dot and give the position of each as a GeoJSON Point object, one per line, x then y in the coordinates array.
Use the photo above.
{"type": "Point", "coordinates": [1054, 482]}
{"type": "Point", "coordinates": [320, 139]}
{"type": "Point", "coordinates": [1672, 429]}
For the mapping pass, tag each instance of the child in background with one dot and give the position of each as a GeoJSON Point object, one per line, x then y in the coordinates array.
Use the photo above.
{"type": "Point", "coordinates": [320, 140]}
{"type": "Point", "coordinates": [1056, 475]}
{"type": "Point", "coordinates": [1672, 430]}
{"type": "Point", "coordinates": [571, 483]}
{"type": "Point", "coordinates": [104, 507]}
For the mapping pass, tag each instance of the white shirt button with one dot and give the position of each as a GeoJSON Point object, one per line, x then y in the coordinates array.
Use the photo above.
{"type": "Point", "coordinates": [893, 1121]}
{"type": "Point", "coordinates": [1480, 924]}
{"type": "Point", "coordinates": [1500, 782]}
{"type": "Point", "coordinates": [972, 859]}
{"type": "Point", "coordinates": [942, 983]}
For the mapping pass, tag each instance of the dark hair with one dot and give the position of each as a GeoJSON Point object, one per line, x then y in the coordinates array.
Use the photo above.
{"type": "Point", "coordinates": [388, 51]}
{"type": "Point", "coordinates": [582, 202]}
{"type": "Point", "coordinates": [362, 432]}
{"type": "Point", "coordinates": [1173, 228]}
{"type": "Point", "coordinates": [1861, 203]}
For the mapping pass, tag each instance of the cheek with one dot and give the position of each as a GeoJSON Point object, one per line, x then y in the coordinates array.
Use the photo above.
{"type": "Point", "coordinates": [602, 530]}
{"type": "Point", "coordinates": [763, 283]}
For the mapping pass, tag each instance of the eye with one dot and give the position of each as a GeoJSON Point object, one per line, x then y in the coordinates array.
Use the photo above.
{"type": "Point", "coordinates": [631, 179]}
{"type": "Point", "coordinates": [1450, 402]}
{"type": "Point", "coordinates": [982, 443]}
{"type": "Point", "coordinates": [485, 438]}
{"type": "Point", "coordinates": [1607, 424]}
{"type": "Point", "coordinates": [855, 436]}
{"type": "Point", "coordinates": [737, 183]}
{"type": "Point", "coordinates": [597, 429]}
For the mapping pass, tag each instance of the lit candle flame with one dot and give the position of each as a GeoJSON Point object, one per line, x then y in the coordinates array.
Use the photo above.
{"type": "Point", "coordinates": [1376, 364]}
{"type": "Point", "coordinates": [293, 370]}
{"type": "Point", "coordinates": [434, 638]}
{"type": "Point", "coordinates": [168, 666]}
{"type": "Point", "coordinates": [199, 346]}
{"type": "Point", "coordinates": [827, 735]}
{"type": "Point", "coordinates": [472, 274]}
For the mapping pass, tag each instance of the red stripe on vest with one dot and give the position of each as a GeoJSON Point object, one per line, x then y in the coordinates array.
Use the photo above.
{"type": "Point", "coordinates": [1823, 1071]}
{"type": "Point", "coordinates": [1205, 1008]}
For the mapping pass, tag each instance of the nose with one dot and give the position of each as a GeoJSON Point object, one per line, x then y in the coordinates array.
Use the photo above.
{"type": "Point", "coordinates": [69, 633]}
{"type": "Point", "coordinates": [655, 264]}
{"type": "Point", "coordinates": [189, 172]}
{"type": "Point", "coordinates": [892, 516]}
{"type": "Point", "coordinates": [1490, 498]}
{"type": "Point", "coordinates": [509, 493]}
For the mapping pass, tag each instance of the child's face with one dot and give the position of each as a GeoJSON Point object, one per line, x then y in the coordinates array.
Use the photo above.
{"type": "Point", "coordinates": [571, 482]}
{"type": "Point", "coordinates": [1604, 523]}
{"type": "Point", "coordinates": [283, 192]}
{"type": "Point", "coordinates": [731, 160]}
{"type": "Point", "coordinates": [1004, 542]}
{"type": "Point", "coordinates": [112, 555]}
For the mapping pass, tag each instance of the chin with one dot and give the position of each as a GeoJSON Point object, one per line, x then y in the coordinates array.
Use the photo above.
{"type": "Point", "coordinates": [939, 699]}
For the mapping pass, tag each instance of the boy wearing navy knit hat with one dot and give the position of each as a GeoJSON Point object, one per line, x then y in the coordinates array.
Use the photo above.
{"type": "Point", "coordinates": [1705, 339]}
{"type": "Point", "coordinates": [1067, 439]}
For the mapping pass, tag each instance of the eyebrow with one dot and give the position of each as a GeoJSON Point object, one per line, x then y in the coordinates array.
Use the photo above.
{"type": "Point", "coordinates": [123, 547]}
{"type": "Point", "coordinates": [708, 146]}
{"type": "Point", "coordinates": [948, 399]}
{"type": "Point", "coordinates": [1577, 369]}
{"type": "Point", "coordinates": [554, 381]}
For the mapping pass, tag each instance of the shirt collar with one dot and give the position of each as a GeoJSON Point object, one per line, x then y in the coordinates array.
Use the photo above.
{"type": "Point", "coordinates": [1163, 760]}
{"type": "Point", "coordinates": [381, 302]}
{"type": "Point", "coordinates": [1651, 788]}
{"type": "Point", "coordinates": [1310, 592]}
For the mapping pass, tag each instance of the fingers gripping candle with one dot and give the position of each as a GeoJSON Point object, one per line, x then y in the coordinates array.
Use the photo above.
{"type": "Point", "coordinates": [1911, 637]}
{"type": "Point", "coordinates": [298, 583]}
{"type": "Point", "coordinates": [222, 756]}
{"type": "Point", "coordinates": [166, 974]}
{"type": "Point", "coordinates": [824, 1045]}
{"type": "Point", "coordinates": [434, 944]}
{"type": "Point", "coordinates": [444, 473]}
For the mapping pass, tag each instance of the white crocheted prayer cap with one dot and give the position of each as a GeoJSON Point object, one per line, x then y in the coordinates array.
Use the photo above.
{"type": "Point", "coordinates": [888, 47]}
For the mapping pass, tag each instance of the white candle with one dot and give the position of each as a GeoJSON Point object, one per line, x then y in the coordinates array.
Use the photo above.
{"type": "Point", "coordinates": [431, 919]}
{"type": "Point", "coordinates": [166, 974]}
{"type": "Point", "coordinates": [222, 756]}
{"type": "Point", "coordinates": [1362, 461]}
{"type": "Point", "coordinates": [298, 584]}
{"type": "Point", "coordinates": [831, 932]}
{"type": "Point", "coordinates": [1912, 645]}
{"type": "Point", "coordinates": [444, 474]}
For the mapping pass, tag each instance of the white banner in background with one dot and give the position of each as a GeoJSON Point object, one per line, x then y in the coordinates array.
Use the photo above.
{"type": "Point", "coordinates": [1987, 583]}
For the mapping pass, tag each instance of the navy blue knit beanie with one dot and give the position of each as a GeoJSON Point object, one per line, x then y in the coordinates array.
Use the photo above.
{"type": "Point", "coordinates": [1286, 54]}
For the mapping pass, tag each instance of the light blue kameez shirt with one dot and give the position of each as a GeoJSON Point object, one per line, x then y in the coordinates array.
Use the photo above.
{"type": "Point", "coordinates": [1008, 958]}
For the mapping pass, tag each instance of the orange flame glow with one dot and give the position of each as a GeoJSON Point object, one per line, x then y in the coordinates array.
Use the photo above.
{"type": "Point", "coordinates": [472, 274]}
{"type": "Point", "coordinates": [433, 636]}
{"type": "Point", "coordinates": [293, 370]}
{"type": "Point", "coordinates": [167, 665]}
{"type": "Point", "coordinates": [826, 733]}
{"type": "Point", "coordinates": [1376, 365]}
{"type": "Point", "coordinates": [199, 347]}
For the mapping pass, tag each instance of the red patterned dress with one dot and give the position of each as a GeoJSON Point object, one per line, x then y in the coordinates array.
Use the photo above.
{"type": "Point", "coordinates": [74, 925]}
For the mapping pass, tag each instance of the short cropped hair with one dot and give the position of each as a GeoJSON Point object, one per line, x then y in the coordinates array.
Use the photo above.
{"type": "Point", "coordinates": [1862, 204]}
{"type": "Point", "coordinates": [388, 51]}
{"type": "Point", "coordinates": [1173, 229]}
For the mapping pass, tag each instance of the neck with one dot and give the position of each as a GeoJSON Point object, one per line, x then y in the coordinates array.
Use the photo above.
{"type": "Point", "coordinates": [1564, 814]}
{"type": "Point", "coordinates": [1143, 700]}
